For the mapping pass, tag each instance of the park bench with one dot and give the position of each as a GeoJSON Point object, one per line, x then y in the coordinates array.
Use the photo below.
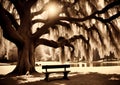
{"type": "Point", "coordinates": [64, 70]}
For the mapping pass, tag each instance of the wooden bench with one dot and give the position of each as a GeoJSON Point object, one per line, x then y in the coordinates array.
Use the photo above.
{"type": "Point", "coordinates": [64, 70]}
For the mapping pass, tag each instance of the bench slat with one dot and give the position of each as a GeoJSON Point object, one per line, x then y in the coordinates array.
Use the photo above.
{"type": "Point", "coordinates": [56, 72]}
{"type": "Point", "coordinates": [55, 66]}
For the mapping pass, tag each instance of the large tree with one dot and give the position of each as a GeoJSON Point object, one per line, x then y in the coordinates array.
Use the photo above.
{"type": "Point", "coordinates": [18, 19]}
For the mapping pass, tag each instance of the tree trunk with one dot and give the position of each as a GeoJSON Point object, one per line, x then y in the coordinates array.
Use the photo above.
{"type": "Point", "coordinates": [26, 59]}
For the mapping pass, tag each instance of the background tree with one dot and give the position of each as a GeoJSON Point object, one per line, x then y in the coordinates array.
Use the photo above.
{"type": "Point", "coordinates": [83, 25]}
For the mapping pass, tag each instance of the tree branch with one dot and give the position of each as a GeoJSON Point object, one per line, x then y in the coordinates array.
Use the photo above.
{"type": "Point", "coordinates": [108, 20]}
{"type": "Point", "coordinates": [37, 13]}
{"type": "Point", "coordinates": [43, 29]}
{"type": "Point", "coordinates": [8, 31]}
{"type": "Point", "coordinates": [46, 42]}
{"type": "Point", "coordinates": [93, 16]}
{"type": "Point", "coordinates": [67, 25]}
{"type": "Point", "coordinates": [53, 44]}
{"type": "Point", "coordinates": [75, 37]}
{"type": "Point", "coordinates": [38, 20]}
{"type": "Point", "coordinates": [106, 8]}
{"type": "Point", "coordinates": [15, 24]}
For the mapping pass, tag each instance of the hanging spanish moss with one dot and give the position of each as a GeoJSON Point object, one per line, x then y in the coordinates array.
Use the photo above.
{"type": "Point", "coordinates": [79, 27]}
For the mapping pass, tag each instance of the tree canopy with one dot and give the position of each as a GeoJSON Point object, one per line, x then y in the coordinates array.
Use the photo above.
{"type": "Point", "coordinates": [95, 20]}
{"type": "Point", "coordinates": [82, 25]}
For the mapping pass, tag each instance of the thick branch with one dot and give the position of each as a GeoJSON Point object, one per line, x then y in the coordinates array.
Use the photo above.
{"type": "Point", "coordinates": [63, 41]}
{"type": "Point", "coordinates": [46, 42]}
{"type": "Point", "coordinates": [15, 24]}
{"type": "Point", "coordinates": [8, 31]}
{"type": "Point", "coordinates": [54, 44]}
{"type": "Point", "coordinates": [71, 19]}
{"type": "Point", "coordinates": [108, 19]}
{"type": "Point", "coordinates": [113, 17]}
{"type": "Point", "coordinates": [43, 29]}
{"type": "Point", "coordinates": [106, 8]}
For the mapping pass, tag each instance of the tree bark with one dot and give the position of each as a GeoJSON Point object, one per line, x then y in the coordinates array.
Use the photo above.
{"type": "Point", "coordinates": [26, 59]}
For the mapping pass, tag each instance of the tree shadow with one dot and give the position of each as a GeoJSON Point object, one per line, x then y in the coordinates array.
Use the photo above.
{"type": "Point", "coordinates": [7, 80]}
{"type": "Point", "coordinates": [74, 79]}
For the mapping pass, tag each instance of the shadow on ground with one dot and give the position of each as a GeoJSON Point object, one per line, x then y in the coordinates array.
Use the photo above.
{"type": "Point", "coordinates": [74, 79]}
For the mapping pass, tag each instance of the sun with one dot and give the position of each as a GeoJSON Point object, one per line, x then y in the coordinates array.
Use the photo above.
{"type": "Point", "coordinates": [53, 10]}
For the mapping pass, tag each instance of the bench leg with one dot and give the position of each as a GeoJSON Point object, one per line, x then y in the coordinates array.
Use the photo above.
{"type": "Point", "coordinates": [47, 76]}
{"type": "Point", "coordinates": [65, 75]}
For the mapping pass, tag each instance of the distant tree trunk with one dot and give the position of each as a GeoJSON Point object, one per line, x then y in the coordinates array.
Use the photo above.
{"type": "Point", "coordinates": [63, 59]}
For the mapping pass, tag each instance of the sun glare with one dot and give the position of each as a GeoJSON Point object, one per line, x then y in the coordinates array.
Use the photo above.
{"type": "Point", "coordinates": [53, 9]}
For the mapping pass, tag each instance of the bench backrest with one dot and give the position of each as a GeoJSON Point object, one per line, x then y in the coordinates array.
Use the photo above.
{"type": "Point", "coordinates": [55, 66]}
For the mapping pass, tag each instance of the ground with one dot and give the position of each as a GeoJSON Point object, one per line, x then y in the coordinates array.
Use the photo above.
{"type": "Point", "coordinates": [78, 76]}
{"type": "Point", "coordinates": [74, 79]}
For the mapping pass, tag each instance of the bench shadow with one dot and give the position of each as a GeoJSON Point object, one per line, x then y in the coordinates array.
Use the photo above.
{"type": "Point", "coordinates": [74, 79]}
